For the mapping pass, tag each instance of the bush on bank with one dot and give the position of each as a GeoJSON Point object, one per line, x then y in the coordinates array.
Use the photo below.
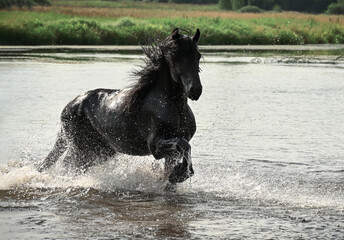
{"type": "Point", "coordinates": [250, 9]}
{"type": "Point", "coordinates": [130, 31]}
{"type": "Point", "coordinates": [336, 8]}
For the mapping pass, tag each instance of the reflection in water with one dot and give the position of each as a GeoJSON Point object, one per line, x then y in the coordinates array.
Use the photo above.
{"type": "Point", "coordinates": [157, 216]}
{"type": "Point", "coordinates": [86, 213]}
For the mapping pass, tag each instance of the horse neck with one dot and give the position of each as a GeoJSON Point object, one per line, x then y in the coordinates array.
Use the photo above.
{"type": "Point", "coordinates": [169, 87]}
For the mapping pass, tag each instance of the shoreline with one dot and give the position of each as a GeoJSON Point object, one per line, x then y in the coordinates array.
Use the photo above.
{"type": "Point", "coordinates": [135, 48]}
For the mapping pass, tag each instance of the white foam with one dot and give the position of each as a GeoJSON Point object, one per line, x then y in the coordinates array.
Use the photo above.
{"type": "Point", "coordinates": [147, 174]}
{"type": "Point", "coordinates": [128, 172]}
{"type": "Point", "coordinates": [122, 172]}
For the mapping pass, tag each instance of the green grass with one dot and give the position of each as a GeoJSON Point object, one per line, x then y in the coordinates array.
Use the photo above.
{"type": "Point", "coordinates": [51, 27]}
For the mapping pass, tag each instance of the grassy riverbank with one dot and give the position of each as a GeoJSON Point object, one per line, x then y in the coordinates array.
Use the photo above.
{"type": "Point", "coordinates": [85, 22]}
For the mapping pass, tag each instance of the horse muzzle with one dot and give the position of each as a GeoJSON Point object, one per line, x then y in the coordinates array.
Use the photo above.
{"type": "Point", "coordinates": [195, 92]}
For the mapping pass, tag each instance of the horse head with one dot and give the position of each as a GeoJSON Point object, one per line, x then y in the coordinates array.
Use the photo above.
{"type": "Point", "coordinates": [182, 55]}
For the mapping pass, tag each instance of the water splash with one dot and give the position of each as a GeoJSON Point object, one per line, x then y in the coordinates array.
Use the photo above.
{"type": "Point", "coordinates": [145, 174]}
{"type": "Point", "coordinates": [273, 185]}
{"type": "Point", "coordinates": [122, 172]}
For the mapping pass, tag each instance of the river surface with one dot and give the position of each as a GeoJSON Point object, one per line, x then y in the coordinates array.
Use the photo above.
{"type": "Point", "coordinates": [268, 153]}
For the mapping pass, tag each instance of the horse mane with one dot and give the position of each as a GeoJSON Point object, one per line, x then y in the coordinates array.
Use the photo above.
{"type": "Point", "coordinates": [147, 75]}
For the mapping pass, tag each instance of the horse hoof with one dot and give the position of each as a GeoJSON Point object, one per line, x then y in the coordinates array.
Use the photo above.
{"type": "Point", "coordinates": [181, 172]}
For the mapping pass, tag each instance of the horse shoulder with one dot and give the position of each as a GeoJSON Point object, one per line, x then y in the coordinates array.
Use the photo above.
{"type": "Point", "coordinates": [190, 121]}
{"type": "Point", "coordinates": [158, 108]}
{"type": "Point", "coordinates": [161, 118]}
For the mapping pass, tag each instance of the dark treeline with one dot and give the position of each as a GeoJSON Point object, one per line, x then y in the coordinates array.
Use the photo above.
{"type": "Point", "coordinates": [23, 3]}
{"type": "Point", "coordinates": [312, 6]}
{"type": "Point", "coordinates": [191, 1]}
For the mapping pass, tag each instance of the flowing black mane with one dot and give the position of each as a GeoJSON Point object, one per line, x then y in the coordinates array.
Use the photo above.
{"type": "Point", "coordinates": [156, 55]}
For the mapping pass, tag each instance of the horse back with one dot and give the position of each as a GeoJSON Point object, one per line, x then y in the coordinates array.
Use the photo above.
{"type": "Point", "coordinates": [76, 107]}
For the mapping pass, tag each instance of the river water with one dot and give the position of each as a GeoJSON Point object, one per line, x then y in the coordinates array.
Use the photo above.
{"type": "Point", "coordinates": [268, 153]}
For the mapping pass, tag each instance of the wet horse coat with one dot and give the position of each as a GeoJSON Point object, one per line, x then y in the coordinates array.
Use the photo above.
{"type": "Point", "coordinates": [151, 117]}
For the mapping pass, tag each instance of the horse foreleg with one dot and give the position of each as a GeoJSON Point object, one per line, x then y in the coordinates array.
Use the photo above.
{"type": "Point", "coordinates": [182, 170]}
{"type": "Point", "coordinates": [170, 163]}
{"type": "Point", "coordinates": [173, 150]}
{"type": "Point", "coordinates": [58, 149]}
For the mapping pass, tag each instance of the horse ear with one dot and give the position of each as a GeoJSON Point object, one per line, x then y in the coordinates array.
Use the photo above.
{"type": "Point", "coordinates": [197, 36]}
{"type": "Point", "coordinates": [175, 33]}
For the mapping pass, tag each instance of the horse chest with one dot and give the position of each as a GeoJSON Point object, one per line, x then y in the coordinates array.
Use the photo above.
{"type": "Point", "coordinates": [125, 137]}
{"type": "Point", "coordinates": [179, 123]}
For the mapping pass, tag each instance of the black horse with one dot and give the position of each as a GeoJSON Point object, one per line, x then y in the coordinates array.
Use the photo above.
{"type": "Point", "coordinates": [150, 117]}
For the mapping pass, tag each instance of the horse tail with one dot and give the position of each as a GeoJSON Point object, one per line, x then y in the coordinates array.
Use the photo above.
{"type": "Point", "coordinates": [57, 151]}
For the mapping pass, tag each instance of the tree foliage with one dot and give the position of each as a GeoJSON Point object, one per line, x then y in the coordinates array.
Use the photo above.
{"type": "Point", "coordinates": [237, 4]}
{"type": "Point", "coordinates": [312, 6]}
{"type": "Point", "coordinates": [336, 8]}
{"type": "Point", "coordinates": [231, 4]}
{"type": "Point", "coordinates": [226, 4]}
